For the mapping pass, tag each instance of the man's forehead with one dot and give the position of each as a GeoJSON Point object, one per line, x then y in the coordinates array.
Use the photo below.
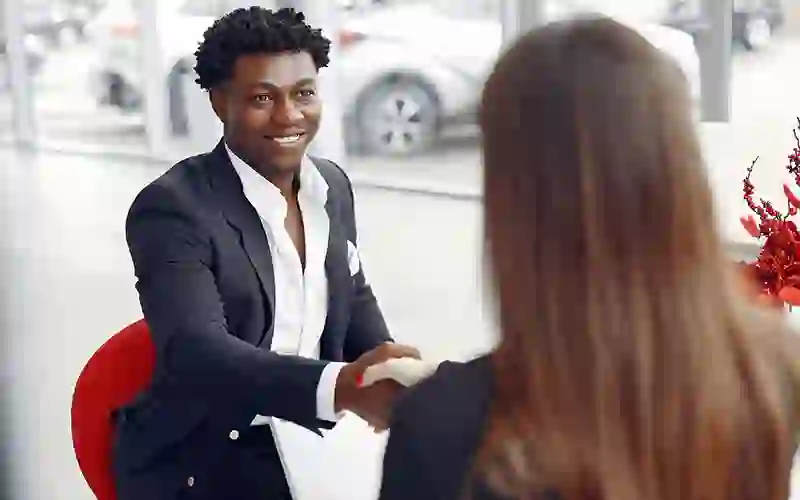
{"type": "Point", "coordinates": [283, 69]}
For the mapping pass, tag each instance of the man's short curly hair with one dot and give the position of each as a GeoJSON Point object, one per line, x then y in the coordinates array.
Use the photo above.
{"type": "Point", "coordinates": [255, 30]}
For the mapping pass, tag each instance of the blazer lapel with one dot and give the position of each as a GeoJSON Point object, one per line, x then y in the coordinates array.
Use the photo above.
{"type": "Point", "coordinates": [240, 214]}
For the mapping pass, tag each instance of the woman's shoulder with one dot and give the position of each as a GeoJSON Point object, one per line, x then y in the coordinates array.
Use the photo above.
{"type": "Point", "coordinates": [450, 403]}
{"type": "Point", "coordinates": [436, 429]}
{"type": "Point", "coordinates": [456, 376]}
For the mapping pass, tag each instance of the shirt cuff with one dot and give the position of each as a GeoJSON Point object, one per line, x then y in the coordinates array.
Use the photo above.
{"type": "Point", "coordinates": [326, 393]}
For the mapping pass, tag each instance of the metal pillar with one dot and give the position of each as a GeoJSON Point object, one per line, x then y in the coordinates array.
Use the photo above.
{"type": "Point", "coordinates": [329, 142]}
{"type": "Point", "coordinates": [520, 16]}
{"type": "Point", "coordinates": [155, 84]}
{"type": "Point", "coordinates": [714, 45]}
{"type": "Point", "coordinates": [20, 77]}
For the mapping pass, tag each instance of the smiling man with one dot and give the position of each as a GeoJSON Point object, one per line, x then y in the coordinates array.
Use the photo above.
{"type": "Point", "coordinates": [249, 278]}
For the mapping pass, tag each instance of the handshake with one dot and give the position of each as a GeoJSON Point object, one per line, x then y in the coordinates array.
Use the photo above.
{"type": "Point", "coordinates": [372, 400]}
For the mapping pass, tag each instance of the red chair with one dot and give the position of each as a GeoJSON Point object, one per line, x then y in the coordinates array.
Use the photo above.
{"type": "Point", "coordinates": [114, 375]}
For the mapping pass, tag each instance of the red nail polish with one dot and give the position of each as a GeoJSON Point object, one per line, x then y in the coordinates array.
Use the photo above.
{"type": "Point", "coordinates": [359, 379]}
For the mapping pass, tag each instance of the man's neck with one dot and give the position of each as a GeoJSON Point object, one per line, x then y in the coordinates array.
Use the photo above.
{"type": "Point", "coordinates": [287, 182]}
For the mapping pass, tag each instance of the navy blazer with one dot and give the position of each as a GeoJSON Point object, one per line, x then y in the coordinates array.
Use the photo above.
{"type": "Point", "coordinates": [206, 287]}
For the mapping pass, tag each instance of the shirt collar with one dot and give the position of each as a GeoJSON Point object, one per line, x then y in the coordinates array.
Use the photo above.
{"type": "Point", "coordinates": [266, 198]}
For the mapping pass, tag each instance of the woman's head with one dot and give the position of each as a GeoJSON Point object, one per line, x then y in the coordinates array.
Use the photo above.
{"type": "Point", "coordinates": [592, 165]}
{"type": "Point", "coordinates": [623, 335]}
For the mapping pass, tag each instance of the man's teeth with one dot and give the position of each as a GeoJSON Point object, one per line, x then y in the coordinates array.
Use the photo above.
{"type": "Point", "coordinates": [287, 140]}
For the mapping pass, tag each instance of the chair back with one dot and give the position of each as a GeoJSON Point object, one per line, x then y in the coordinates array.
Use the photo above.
{"type": "Point", "coordinates": [116, 373]}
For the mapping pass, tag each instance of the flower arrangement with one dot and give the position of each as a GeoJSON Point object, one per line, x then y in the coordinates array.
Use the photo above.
{"type": "Point", "coordinates": [776, 271]}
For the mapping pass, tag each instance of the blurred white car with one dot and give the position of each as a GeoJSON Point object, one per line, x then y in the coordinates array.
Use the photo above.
{"type": "Point", "coordinates": [406, 71]}
{"type": "Point", "coordinates": [409, 70]}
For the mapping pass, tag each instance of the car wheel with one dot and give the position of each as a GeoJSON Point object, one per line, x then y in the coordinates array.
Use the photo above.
{"type": "Point", "coordinates": [397, 117]}
{"type": "Point", "coordinates": [757, 33]}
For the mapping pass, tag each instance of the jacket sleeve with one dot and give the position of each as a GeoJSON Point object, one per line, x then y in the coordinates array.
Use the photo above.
{"type": "Point", "coordinates": [173, 259]}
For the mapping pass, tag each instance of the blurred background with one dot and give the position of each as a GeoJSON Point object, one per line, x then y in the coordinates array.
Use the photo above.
{"type": "Point", "coordinates": [97, 98]}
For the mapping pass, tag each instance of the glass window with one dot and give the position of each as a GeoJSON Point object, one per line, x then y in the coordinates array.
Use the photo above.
{"type": "Point", "coordinates": [6, 104]}
{"type": "Point", "coordinates": [81, 54]}
{"type": "Point", "coordinates": [86, 62]}
{"type": "Point", "coordinates": [406, 95]}
{"type": "Point", "coordinates": [411, 92]}
{"type": "Point", "coordinates": [212, 8]}
{"type": "Point", "coordinates": [200, 8]}
{"type": "Point", "coordinates": [764, 105]}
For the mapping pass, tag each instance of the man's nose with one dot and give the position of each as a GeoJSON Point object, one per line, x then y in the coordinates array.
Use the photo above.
{"type": "Point", "coordinates": [286, 112]}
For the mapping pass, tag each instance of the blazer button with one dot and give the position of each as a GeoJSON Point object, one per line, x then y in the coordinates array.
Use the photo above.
{"type": "Point", "coordinates": [234, 435]}
{"type": "Point", "coordinates": [190, 481]}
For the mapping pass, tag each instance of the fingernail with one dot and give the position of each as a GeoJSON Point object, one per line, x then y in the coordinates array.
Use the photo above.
{"type": "Point", "coordinates": [359, 379]}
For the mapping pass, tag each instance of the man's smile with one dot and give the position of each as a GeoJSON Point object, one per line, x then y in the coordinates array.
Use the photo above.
{"type": "Point", "coordinates": [288, 139]}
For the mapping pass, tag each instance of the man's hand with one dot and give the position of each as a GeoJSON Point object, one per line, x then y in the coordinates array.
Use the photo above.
{"type": "Point", "coordinates": [374, 403]}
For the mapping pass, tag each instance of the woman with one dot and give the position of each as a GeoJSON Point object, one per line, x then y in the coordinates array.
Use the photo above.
{"type": "Point", "coordinates": [631, 367]}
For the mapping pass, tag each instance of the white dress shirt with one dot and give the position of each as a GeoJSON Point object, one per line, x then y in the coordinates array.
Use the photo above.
{"type": "Point", "coordinates": [301, 298]}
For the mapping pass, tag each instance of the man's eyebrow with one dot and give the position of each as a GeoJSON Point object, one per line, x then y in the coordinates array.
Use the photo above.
{"type": "Point", "coordinates": [265, 84]}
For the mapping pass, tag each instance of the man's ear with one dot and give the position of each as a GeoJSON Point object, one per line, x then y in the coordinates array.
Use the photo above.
{"type": "Point", "coordinates": [219, 102]}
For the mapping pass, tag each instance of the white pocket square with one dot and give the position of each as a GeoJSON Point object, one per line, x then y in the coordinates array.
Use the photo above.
{"type": "Point", "coordinates": [353, 260]}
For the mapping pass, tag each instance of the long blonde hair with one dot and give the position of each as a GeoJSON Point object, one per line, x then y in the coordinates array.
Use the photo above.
{"type": "Point", "coordinates": [631, 365]}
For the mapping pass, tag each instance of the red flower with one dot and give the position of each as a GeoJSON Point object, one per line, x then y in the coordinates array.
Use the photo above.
{"type": "Point", "coordinates": [776, 271]}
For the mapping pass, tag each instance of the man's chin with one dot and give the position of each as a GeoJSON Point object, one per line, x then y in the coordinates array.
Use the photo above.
{"type": "Point", "coordinates": [284, 161]}
{"type": "Point", "coordinates": [286, 165]}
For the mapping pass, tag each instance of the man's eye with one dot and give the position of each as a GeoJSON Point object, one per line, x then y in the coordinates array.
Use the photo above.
{"type": "Point", "coordinates": [262, 98]}
{"type": "Point", "coordinates": [308, 93]}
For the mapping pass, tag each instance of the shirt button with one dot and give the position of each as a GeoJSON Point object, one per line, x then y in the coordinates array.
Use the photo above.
{"type": "Point", "coordinates": [234, 435]}
{"type": "Point", "coordinates": [190, 481]}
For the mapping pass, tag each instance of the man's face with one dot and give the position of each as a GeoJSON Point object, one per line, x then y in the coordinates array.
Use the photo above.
{"type": "Point", "coordinates": [270, 109]}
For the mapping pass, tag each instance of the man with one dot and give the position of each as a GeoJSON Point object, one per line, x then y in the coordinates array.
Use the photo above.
{"type": "Point", "coordinates": [249, 277]}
